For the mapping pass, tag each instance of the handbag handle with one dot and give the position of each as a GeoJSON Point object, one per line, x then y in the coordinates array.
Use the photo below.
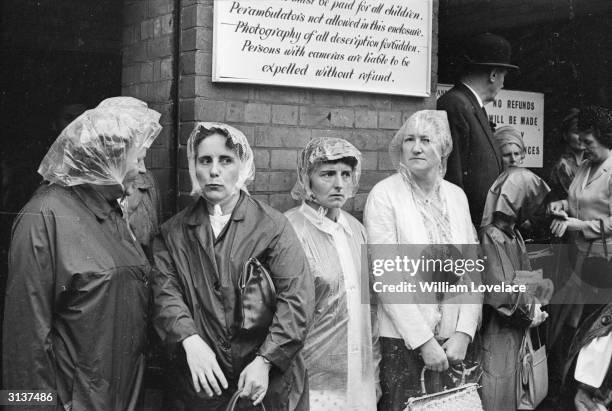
{"type": "Point", "coordinates": [424, 390]}
{"type": "Point", "coordinates": [248, 271]}
{"type": "Point", "coordinates": [603, 237]}
{"type": "Point", "coordinates": [234, 400]}
{"type": "Point", "coordinates": [603, 240]}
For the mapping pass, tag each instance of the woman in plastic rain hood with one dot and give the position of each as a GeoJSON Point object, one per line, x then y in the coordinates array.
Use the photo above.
{"type": "Point", "coordinates": [416, 206]}
{"type": "Point", "coordinates": [200, 254]}
{"type": "Point", "coordinates": [340, 353]}
{"type": "Point", "coordinates": [78, 284]}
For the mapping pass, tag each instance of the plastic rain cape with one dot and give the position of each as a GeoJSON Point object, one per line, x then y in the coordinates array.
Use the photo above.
{"type": "Point", "coordinates": [242, 150]}
{"type": "Point", "coordinates": [100, 146]}
{"type": "Point", "coordinates": [517, 193]}
{"type": "Point", "coordinates": [338, 351]}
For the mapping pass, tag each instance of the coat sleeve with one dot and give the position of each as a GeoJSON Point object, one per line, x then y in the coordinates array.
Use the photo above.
{"type": "Point", "coordinates": [381, 228]}
{"type": "Point", "coordinates": [460, 133]}
{"type": "Point", "coordinates": [470, 312]}
{"type": "Point", "coordinates": [28, 315]}
{"type": "Point", "coordinates": [516, 308]}
{"type": "Point", "coordinates": [173, 320]}
{"type": "Point", "coordinates": [294, 285]}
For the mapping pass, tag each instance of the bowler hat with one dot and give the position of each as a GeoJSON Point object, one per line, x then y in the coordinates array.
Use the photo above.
{"type": "Point", "coordinates": [489, 49]}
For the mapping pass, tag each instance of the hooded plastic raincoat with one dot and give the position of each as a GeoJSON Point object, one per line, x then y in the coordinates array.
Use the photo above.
{"type": "Point", "coordinates": [341, 351]}
{"type": "Point", "coordinates": [196, 289]}
{"type": "Point", "coordinates": [517, 193]}
{"type": "Point", "coordinates": [77, 292]}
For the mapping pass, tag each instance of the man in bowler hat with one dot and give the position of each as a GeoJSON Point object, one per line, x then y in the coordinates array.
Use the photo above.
{"type": "Point", "coordinates": [475, 161]}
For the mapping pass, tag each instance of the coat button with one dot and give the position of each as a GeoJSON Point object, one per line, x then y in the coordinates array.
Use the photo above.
{"type": "Point", "coordinates": [606, 319]}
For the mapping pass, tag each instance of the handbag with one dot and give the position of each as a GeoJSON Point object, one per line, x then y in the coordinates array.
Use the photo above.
{"type": "Point", "coordinates": [597, 271]}
{"type": "Point", "coordinates": [461, 398]}
{"type": "Point", "coordinates": [234, 401]}
{"type": "Point", "coordinates": [257, 297]}
{"type": "Point", "coordinates": [531, 374]}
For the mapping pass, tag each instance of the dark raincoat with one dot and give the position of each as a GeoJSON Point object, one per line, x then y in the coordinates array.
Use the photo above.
{"type": "Point", "coordinates": [195, 288]}
{"type": "Point", "coordinates": [76, 301]}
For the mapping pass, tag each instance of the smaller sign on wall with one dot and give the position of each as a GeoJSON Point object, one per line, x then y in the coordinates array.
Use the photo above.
{"type": "Point", "coordinates": [523, 110]}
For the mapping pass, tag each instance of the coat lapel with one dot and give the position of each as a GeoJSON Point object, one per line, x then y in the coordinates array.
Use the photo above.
{"type": "Point", "coordinates": [484, 122]}
{"type": "Point", "coordinates": [199, 227]}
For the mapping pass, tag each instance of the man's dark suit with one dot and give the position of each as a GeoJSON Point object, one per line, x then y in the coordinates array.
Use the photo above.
{"type": "Point", "coordinates": [475, 161]}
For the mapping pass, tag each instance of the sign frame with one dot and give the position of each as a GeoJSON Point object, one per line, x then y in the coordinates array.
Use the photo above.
{"type": "Point", "coordinates": [218, 77]}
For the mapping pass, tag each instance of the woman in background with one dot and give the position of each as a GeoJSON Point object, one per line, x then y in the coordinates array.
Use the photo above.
{"type": "Point", "coordinates": [564, 170]}
{"type": "Point", "coordinates": [511, 146]}
{"type": "Point", "coordinates": [341, 351]}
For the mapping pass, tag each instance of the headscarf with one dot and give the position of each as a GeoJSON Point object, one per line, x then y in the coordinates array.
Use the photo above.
{"type": "Point", "coordinates": [242, 149]}
{"type": "Point", "coordinates": [98, 146]}
{"type": "Point", "coordinates": [509, 135]}
{"type": "Point", "coordinates": [516, 193]}
{"type": "Point", "coordinates": [318, 151]}
{"type": "Point", "coordinates": [434, 123]}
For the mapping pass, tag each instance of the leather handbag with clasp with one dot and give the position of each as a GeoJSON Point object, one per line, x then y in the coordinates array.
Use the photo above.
{"type": "Point", "coordinates": [257, 296]}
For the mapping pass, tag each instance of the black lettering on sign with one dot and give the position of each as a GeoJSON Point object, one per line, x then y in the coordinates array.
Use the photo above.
{"type": "Point", "coordinates": [529, 121]}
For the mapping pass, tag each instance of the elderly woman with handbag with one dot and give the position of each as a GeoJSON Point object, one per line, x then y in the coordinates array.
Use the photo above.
{"type": "Point", "coordinates": [341, 351]}
{"type": "Point", "coordinates": [417, 206]}
{"type": "Point", "coordinates": [212, 287]}
{"type": "Point", "coordinates": [78, 285]}
{"type": "Point", "coordinates": [514, 196]}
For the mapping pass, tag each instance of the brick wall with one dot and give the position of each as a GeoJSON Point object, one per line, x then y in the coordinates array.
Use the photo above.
{"type": "Point", "coordinates": [147, 48]}
{"type": "Point", "coordinates": [278, 121]}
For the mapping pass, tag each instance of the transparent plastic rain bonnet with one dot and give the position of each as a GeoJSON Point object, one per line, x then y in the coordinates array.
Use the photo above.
{"type": "Point", "coordinates": [242, 149]}
{"type": "Point", "coordinates": [317, 152]}
{"type": "Point", "coordinates": [100, 144]}
{"type": "Point", "coordinates": [433, 123]}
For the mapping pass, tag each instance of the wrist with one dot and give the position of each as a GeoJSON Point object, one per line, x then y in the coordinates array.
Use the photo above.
{"type": "Point", "coordinates": [465, 337]}
{"type": "Point", "coordinates": [187, 341]}
{"type": "Point", "coordinates": [264, 360]}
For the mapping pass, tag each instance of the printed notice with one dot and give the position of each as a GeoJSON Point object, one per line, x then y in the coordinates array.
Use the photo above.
{"type": "Point", "coordinates": [523, 110]}
{"type": "Point", "coordinates": [376, 46]}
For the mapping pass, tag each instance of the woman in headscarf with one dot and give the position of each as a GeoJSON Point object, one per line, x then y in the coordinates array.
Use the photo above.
{"type": "Point", "coordinates": [78, 285]}
{"type": "Point", "coordinates": [511, 146]}
{"type": "Point", "coordinates": [200, 254]}
{"type": "Point", "coordinates": [340, 352]}
{"type": "Point", "coordinates": [417, 206]}
{"type": "Point", "coordinates": [514, 197]}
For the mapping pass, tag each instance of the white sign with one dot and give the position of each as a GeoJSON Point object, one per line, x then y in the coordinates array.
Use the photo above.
{"type": "Point", "coordinates": [522, 110]}
{"type": "Point", "coordinates": [372, 46]}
